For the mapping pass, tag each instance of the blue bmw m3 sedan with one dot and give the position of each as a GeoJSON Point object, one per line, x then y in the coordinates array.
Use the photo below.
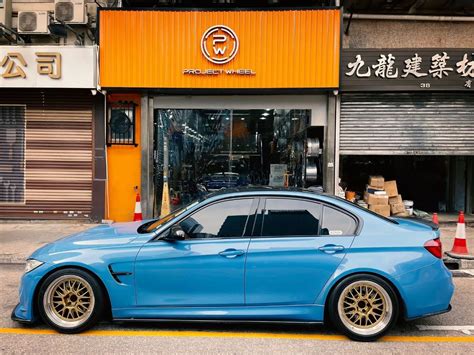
{"type": "Point", "coordinates": [244, 255]}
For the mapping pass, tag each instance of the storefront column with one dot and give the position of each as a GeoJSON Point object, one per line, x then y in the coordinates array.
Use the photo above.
{"type": "Point", "coordinates": [147, 186]}
{"type": "Point", "coordinates": [100, 174]}
{"type": "Point", "coordinates": [329, 151]}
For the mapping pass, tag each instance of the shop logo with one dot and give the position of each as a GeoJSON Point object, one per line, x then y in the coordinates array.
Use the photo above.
{"type": "Point", "coordinates": [219, 44]}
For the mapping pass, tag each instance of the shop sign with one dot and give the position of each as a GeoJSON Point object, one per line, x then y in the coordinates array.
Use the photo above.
{"type": "Point", "coordinates": [407, 69]}
{"type": "Point", "coordinates": [47, 67]}
{"type": "Point", "coordinates": [220, 49]}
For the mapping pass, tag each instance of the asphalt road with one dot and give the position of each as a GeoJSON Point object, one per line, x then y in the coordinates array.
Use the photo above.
{"type": "Point", "coordinates": [172, 338]}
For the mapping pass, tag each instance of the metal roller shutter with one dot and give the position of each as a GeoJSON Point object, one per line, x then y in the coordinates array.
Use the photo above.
{"type": "Point", "coordinates": [407, 123]}
{"type": "Point", "coordinates": [57, 154]}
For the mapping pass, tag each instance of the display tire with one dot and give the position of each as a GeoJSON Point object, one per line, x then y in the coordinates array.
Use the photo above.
{"type": "Point", "coordinates": [88, 293]}
{"type": "Point", "coordinates": [358, 309]}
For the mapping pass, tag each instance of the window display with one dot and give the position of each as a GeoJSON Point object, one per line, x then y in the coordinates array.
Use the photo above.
{"type": "Point", "coordinates": [208, 150]}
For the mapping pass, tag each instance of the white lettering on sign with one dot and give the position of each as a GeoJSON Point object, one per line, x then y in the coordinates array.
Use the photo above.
{"type": "Point", "coordinates": [215, 72]}
{"type": "Point", "coordinates": [439, 67]}
{"type": "Point", "coordinates": [465, 67]}
{"type": "Point", "coordinates": [413, 67]}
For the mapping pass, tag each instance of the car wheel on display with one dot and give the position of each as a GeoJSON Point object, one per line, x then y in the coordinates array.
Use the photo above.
{"type": "Point", "coordinates": [364, 307]}
{"type": "Point", "coordinates": [70, 300]}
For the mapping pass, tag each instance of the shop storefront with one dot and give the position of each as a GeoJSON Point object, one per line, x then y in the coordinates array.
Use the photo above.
{"type": "Point", "coordinates": [408, 115]}
{"type": "Point", "coordinates": [49, 167]}
{"type": "Point", "coordinates": [216, 99]}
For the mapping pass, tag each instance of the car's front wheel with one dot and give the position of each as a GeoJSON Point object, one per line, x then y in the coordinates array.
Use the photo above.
{"type": "Point", "coordinates": [70, 300]}
{"type": "Point", "coordinates": [364, 307]}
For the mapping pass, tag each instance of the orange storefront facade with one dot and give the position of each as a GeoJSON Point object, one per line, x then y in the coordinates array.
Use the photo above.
{"type": "Point", "coordinates": [200, 100]}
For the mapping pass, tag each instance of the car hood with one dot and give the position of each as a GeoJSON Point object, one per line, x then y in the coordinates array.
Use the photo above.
{"type": "Point", "coordinates": [100, 236]}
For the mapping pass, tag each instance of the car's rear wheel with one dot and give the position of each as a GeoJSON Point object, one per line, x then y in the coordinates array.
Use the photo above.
{"type": "Point", "coordinates": [70, 300]}
{"type": "Point", "coordinates": [364, 307]}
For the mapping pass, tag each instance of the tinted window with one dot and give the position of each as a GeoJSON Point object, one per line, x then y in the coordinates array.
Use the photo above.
{"type": "Point", "coordinates": [221, 220]}
{"type": "Point", "coordinates": [284, 217]}
{"type": "Point", "coordinates": [337, 223]}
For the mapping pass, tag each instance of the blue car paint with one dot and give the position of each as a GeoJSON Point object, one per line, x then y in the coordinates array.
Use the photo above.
{"type": "Point", "coordinates": [191, 273]}
{"type": "Point", "coordinates": [393, 251]}
{"type": "Point", "coordinates": [290, 270]}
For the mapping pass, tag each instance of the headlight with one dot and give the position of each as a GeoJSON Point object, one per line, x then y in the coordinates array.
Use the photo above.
{"type": "Point", "coordinates": [32, 264]}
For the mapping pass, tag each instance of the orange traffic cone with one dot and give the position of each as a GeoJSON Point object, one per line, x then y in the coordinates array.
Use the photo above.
{"type": "Point", "coordinates": [460, 245]}
{"type": "Point", "coordinates": [435, 219]}
{"type": "Point", "coordinates": [137, 216]}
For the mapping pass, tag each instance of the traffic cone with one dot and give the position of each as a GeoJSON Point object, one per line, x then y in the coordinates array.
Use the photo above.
{"type": "Point", "coordinates": [435, 219]}
{"type": "Point", "coordinates": [460, 245]}
{"type": "Point", "coordinates": [137, 216]}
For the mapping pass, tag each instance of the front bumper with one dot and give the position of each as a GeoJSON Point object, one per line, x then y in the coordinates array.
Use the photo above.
{"type": "Point", "coordinates": [17, 317]}
{"type": "Point", "coordinates": [24, 311]}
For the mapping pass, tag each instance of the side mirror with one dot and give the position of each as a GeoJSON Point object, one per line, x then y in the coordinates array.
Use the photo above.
{"type": "Point", "coordinates": [175, 233]}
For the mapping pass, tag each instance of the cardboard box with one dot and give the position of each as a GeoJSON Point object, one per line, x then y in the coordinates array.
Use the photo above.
{"type": "Point", "coordinates": [390, 188]}
{"type": "Point", "coordinates": [372, 199]}
{"type": "Point", "coordinates": [397, 208]}
{"type": "Point", "coordinates": [375, 190]}
{"type": "Point", "coordinates": [383, 210]}
{"type": "Point", "coordinates": [401, 214]}
{"type": "Point", "coordinates": [395, 199]}
{"type": "Point", "coordinates": [376, 181]}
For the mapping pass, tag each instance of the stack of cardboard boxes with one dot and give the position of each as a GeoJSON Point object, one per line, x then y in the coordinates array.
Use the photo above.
{"type": "Point", "coordinates": [383, 198]}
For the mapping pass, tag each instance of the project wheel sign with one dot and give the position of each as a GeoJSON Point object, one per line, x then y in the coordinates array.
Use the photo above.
{"type": "Point", "coordinates": [219, 44]}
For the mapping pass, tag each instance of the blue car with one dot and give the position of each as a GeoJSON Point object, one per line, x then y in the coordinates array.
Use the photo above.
{"type": "Point", "coordinates": [244, 255]}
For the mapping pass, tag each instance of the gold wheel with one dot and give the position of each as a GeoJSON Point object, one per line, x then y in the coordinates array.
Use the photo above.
{"type": "Point", "coordinates": [365, 307]}
{"type": "Point", "coordinates": [69, 301]}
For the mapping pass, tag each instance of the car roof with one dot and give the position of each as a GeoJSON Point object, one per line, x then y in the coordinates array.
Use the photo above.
{"type": "Point", "coordinates": [262, 191]}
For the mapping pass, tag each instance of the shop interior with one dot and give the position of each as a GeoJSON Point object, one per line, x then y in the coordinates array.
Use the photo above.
{"type": "Point", "coordinates": [207, 150]}
{"type": "Point", "coordinates": [433, 183]}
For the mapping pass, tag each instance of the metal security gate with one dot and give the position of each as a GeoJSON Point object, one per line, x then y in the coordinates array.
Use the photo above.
{"type": "Point", "coordinates": [50, 158]}
{"type": "Point", "coordinates": [407, 124]}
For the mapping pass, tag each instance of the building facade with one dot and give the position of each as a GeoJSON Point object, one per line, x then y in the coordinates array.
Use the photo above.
{"type": "Point", "coordinates": [52, 162]}
{"type": "Point", "coordinates": [205, 99]}
{"type": "Point", "coordinates": [406, 109]}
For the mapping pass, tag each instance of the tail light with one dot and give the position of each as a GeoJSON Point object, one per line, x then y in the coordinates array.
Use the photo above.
{"type": "Point", "coordinates": [434, 247]}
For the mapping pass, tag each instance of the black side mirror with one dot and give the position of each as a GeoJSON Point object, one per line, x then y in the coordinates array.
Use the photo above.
{"type": "Point", "coordinates": [175, 233]}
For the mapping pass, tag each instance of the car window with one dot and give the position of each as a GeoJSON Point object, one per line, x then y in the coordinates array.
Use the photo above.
{"type": "Point", "coordinates": [225, 219]}
{"type": "Point", "coordinates": [286, 217]}
{"type": "Point", "coordinates": [336, 222]}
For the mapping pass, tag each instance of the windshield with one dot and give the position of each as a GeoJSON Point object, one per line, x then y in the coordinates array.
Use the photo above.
{"type": "Point", "coordinates": [153, 225]}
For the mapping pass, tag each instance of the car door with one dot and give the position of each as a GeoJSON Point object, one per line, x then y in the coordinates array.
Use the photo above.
{"type": "Point", "coordinates": [297, 246]}
{"type": "Point", "coordinates": [205, 269]}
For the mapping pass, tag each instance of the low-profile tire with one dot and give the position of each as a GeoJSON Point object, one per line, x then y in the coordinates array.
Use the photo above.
{"type": "Point", "coordinates": [364, 307]}
{"type": "Point", "coordinates": [70, 301]}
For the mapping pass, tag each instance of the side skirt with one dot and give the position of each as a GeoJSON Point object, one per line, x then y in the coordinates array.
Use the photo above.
{"type": "Point", "coordinates": [283, 313]}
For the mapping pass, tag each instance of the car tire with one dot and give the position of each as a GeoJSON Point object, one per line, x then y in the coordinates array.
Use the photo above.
{"type": "Point", "coordinates": [70, 301]}
{"type": "Point", "coordinates": [364, 307]}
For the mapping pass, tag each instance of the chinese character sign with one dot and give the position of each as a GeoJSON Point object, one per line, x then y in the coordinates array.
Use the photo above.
{"type": "Point", "coordinates": [407, 69]}
{"type": "Point", "coordinates": [48, 67]}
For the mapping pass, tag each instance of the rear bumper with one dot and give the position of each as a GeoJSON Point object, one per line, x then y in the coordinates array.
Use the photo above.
{"type": "Point", "coordinates": [426, 291]}
{"type": "Point", "coordinates": [430, 314]}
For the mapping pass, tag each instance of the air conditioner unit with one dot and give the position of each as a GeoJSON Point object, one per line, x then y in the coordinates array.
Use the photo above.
{"type": "Point", "coordinates": [70, 11]}
{"type": "Point", "coordinates": [6, 13]}
{"type": "Point", "coordinates": [34, 22]}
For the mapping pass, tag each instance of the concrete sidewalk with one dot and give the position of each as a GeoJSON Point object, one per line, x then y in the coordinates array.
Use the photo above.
{"type": "Point", "coordinates": [19, 240]}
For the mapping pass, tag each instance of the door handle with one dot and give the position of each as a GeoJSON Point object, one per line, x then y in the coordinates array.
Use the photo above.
{"type": "Point", "coordinates": [231, 253]}
{"type": "Point", "coordinates": [331, 248]}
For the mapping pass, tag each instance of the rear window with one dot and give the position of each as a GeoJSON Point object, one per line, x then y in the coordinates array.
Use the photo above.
{"type": "Point", "coordinates": [337, 223]}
